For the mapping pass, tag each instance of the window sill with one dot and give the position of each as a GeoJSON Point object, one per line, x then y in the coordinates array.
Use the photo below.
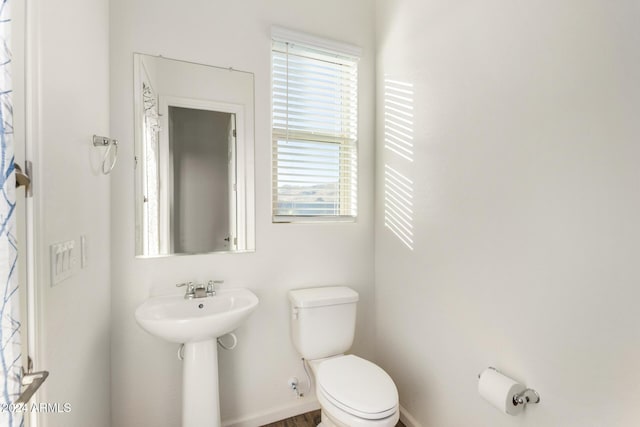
{"type": "Point", "coordinates": [281, 219]}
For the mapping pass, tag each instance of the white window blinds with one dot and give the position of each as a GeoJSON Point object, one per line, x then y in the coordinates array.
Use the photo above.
{"type": "Point", "coordinates": [315, 132]}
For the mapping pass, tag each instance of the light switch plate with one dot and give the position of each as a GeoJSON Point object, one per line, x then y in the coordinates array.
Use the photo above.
{"type": "Point", "coordinates": [62, 260]}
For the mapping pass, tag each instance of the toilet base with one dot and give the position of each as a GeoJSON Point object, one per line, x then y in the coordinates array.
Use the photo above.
{"type": "Point", "coordinates": [328, 422]}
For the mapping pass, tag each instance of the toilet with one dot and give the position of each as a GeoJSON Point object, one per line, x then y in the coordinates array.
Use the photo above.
{"type": "Point", "coordinates": [352, 391]}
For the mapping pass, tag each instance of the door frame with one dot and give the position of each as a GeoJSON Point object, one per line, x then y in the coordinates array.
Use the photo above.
{"type": "Point", "coordinates": [34, 220]}
{"type": "Point", "coordinates": [237, 188]}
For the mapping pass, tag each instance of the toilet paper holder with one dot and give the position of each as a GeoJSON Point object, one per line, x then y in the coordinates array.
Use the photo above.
{"type": "Point", "coordinates": [526, 396]}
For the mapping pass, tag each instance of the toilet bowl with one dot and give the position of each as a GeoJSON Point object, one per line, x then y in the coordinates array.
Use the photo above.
{"type": "Point", "coordinates": [352, 391]}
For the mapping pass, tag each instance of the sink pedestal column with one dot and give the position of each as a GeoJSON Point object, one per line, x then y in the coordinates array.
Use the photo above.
{"type": "Point", "coordinates": [200, 399]}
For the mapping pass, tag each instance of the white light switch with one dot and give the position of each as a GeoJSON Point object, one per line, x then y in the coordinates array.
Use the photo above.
{"type": "Point", "coordinates": [63, 261]}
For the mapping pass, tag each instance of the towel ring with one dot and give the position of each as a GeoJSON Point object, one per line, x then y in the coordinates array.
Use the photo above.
{"type": "Point", "coordinates": [107, 164]}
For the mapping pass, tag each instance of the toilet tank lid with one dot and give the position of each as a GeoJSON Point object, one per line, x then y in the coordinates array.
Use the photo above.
{"type": "Point", "coordinates": [318, 297]}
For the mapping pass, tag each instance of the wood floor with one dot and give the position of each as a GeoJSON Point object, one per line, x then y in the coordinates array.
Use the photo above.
{"type": "Point", "coordinates": [310, 419]}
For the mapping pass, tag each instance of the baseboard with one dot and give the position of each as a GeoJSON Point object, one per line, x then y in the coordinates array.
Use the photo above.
{"type": "Point", "coordinates": [407, 419]}
{"type": "Point", "coordinates": [298, 407]}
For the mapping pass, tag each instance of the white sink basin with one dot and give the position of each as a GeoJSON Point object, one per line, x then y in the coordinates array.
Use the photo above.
{"type": "Point", "coordinates": [180, 320]}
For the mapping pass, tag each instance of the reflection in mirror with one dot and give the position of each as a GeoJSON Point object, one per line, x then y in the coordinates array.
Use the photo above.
{"type": "Point", "coordinates": [194, 158]}
{"type": "Point", "coordinates": [202, 166]}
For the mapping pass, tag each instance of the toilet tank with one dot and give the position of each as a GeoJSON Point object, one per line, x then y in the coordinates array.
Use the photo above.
{"type": "Point", "coordinates": [323, 320]}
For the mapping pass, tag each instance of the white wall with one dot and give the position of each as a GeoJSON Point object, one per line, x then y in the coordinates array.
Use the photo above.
{"type": "Point", "coordinates": [526, 203]}
{"type": "Point", "coordinates": [69, 91]}
{"type": "Point", "coordinates": [146, 374]}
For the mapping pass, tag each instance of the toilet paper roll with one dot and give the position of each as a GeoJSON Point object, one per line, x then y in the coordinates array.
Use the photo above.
{"type": "Point", "coordinates": [499, 390]}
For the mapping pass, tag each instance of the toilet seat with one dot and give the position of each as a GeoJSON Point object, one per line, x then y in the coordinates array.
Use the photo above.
{"type": "Point", "coordinates": [358, 387]}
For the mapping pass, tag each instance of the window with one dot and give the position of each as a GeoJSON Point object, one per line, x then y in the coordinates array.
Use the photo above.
{"type": "Point", "coordinates": [315, 128]}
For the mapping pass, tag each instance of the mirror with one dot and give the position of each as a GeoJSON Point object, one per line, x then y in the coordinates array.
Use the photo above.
{"type": "Point", "coordinates": [193, 158]}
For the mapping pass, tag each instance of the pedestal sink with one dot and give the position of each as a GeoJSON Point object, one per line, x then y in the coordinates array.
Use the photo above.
{"type": "Point", "coordinates": [197, 323]}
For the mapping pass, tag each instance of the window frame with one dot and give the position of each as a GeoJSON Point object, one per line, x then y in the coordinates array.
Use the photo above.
{"type": "Point", "coordinates": [348, 201]}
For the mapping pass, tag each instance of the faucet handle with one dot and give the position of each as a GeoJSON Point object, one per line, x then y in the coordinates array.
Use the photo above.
{"type": "Point", "coordinates": [189, 285]}
{"type": "Point", "coordinates": [191, 289]}
{"type": "Point", "coordinates": [211, 290]}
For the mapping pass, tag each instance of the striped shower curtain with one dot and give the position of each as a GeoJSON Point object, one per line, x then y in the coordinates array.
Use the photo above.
{"type": "Point", "coordinates": [10, 355]}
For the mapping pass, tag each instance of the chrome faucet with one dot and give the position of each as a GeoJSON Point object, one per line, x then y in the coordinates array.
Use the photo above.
{"type": "Point", "coordinates": [199, 291]}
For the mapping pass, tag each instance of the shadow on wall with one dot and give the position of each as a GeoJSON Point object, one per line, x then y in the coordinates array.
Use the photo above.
{"type": "Point", "coordinates": [398, 140]}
